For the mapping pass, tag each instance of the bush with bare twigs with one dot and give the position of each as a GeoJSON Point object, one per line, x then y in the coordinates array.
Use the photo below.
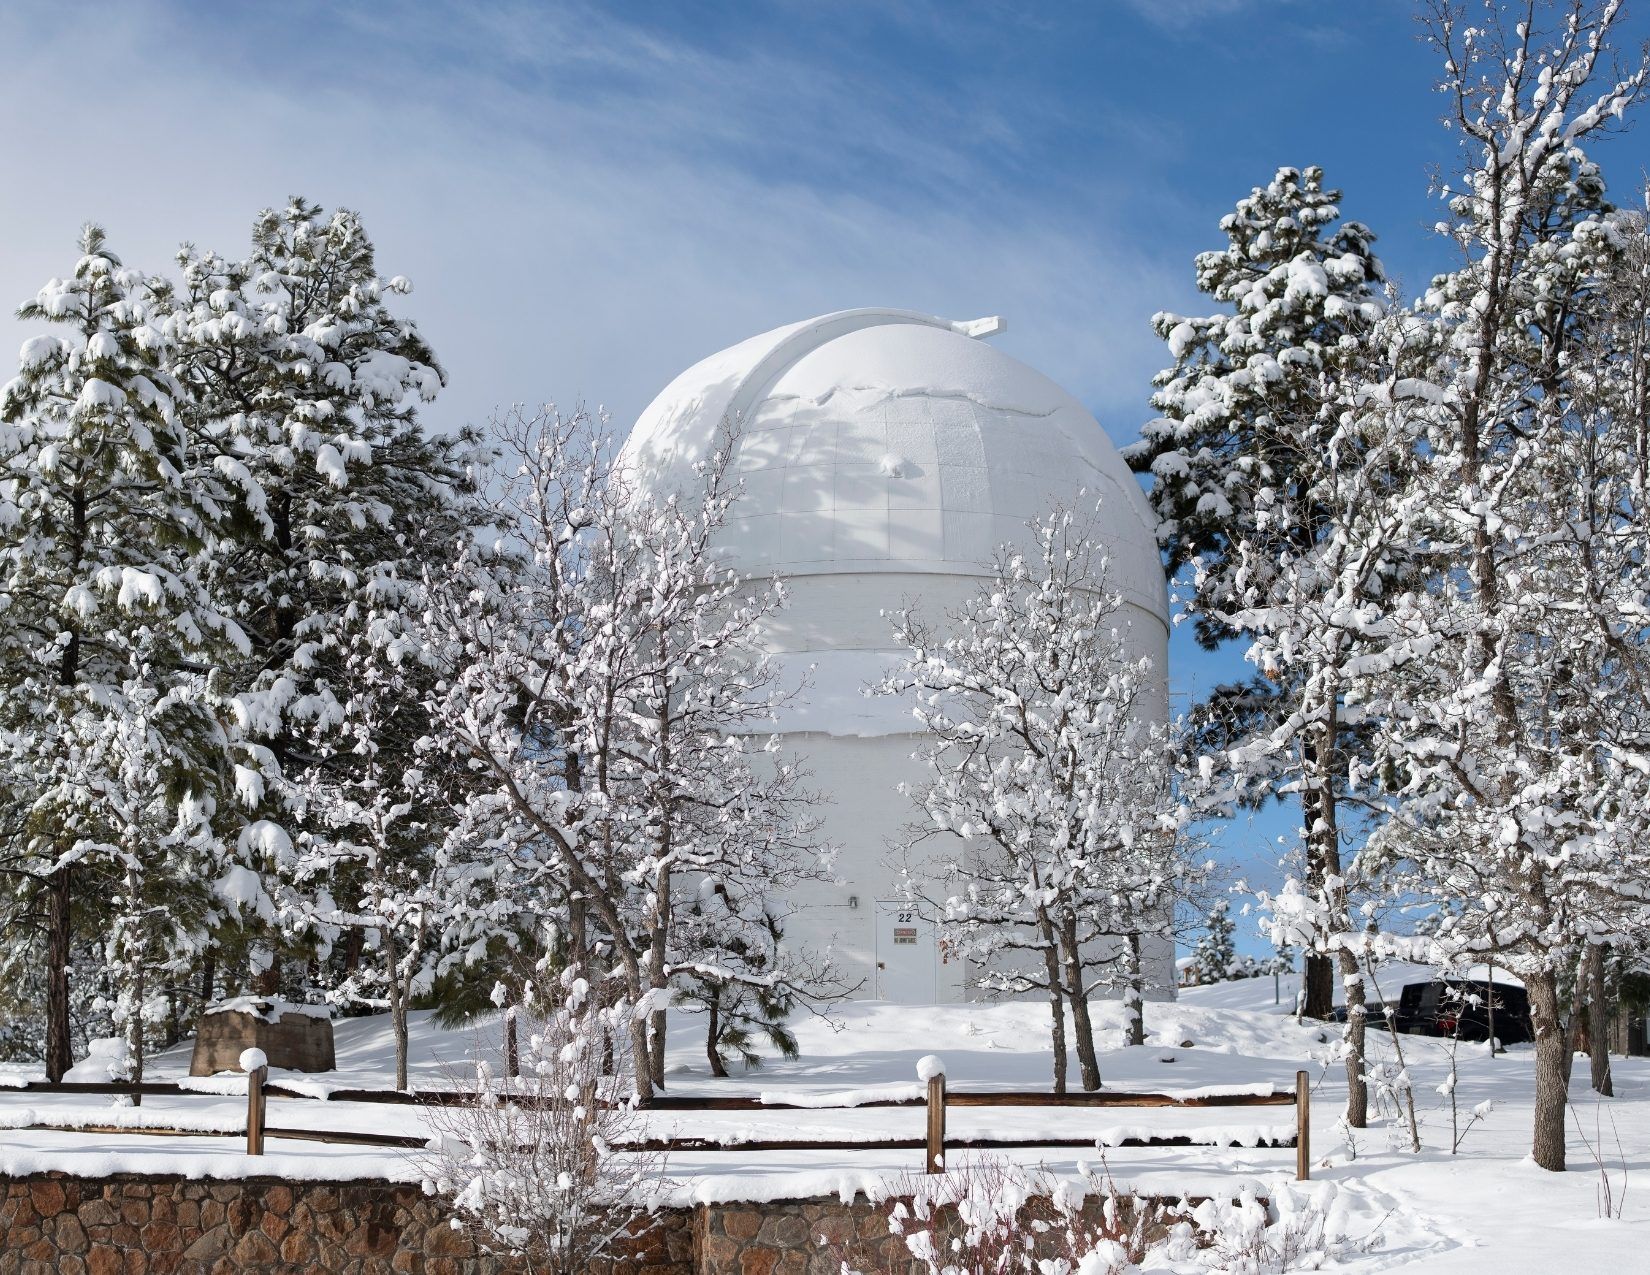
{"type": "Point", "coordinates": [531, 1168]}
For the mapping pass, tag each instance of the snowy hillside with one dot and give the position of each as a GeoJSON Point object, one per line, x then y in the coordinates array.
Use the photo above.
{"type": "Point", "coordinates": [1486, 1208]}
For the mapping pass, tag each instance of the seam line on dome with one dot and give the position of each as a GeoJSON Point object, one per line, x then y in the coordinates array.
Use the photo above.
{"type": "Point", "coordinates": [888, 392]}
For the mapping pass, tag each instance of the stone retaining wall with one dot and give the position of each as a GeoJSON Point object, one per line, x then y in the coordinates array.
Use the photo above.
{"type": "Point", "coordinates": [51, 1224]}
{"type": "Point", "coordinates": [128, 1224]}
{"type": "Point", "coordinates": [784, 1238]}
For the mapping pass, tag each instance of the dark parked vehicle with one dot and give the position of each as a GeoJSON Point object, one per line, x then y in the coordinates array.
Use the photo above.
{"type": "Point", "coordinates": [1463, 1008]}
{"type": "Point", "coordinates": [1374, 1016]}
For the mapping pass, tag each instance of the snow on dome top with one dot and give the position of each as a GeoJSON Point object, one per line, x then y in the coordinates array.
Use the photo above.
{"type": "Point", "coordinates": [889, 441]}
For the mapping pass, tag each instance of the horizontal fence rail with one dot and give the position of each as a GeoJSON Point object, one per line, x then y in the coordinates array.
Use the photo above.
{"type": "Point", "coordinates": [934, 1143]}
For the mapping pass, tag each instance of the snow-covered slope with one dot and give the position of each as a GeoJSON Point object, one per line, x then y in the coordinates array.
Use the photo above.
{"type": "Point", "coordinates": [1486, 1208]}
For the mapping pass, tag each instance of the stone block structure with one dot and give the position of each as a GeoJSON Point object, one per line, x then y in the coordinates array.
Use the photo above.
{"type": "Point", "coordinates": [294, 1037]}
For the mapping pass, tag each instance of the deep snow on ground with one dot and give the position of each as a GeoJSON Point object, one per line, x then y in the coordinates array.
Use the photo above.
{"type": "Point", "coordinates": [1485, 1209]}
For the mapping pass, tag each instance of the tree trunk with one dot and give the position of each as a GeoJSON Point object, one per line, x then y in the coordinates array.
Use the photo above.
{"type": "Point", "coordinates": [59, 934]}
{"type": "Point", "coordinates": [1324, 834]}
{"type": "Point", "coordinates": [1575, 1026]}
{"type": "Point", "coordinates": [399, 1016]}
{"type": "Point", "coordinates": [630, 962]}
{"type": "Point", "coordinates": [1082, 1026]}
{"type": "Point", "coordinates": [398, 1004]}
{"type": "Point", "coordinates": [1318, 969]}
{"type": "Point", "coordinates": [1357, 1032]}
{"type": "Point", "coordinates": [1134, 999]}
{"type": "Point", "coordinates": [656, 972]}
{"type": "Point", "coordinates": [209, 976]}
{"type": "Point", "coordinates": [350, 952]}
{"type": "Point", "coordinates": [174, 1018]}
{"type": "Point", "coordinates": [713, 1029]}
{"type": "Point", "coordinates": [1056, 1003]}
{"type": "Point", "coordinates": [267, 982]}
{"type": "Point", "coordinates": [1552, 1043]}
{"type": "Point", "coordinates": [578, 938]}
{"type": "Point", "coordinates": [135, 958]}
{"type": "Point", "coordinates": [134, 1026]}
{"type": "Point", "coordinates": [639, 1052]}
{"type": "Point", "coordinates": [1318, 986]}
{"type": "Point", "coordinates": [1598, 1021]}
{"type": "Point", "coordinates": [1323, 767]}
{"type": "Point", "coordinates": [656, 1057]}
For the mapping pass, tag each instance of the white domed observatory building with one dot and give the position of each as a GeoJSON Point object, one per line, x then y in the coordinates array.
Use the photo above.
{"type": "Point", "coordinates": [885, 455]}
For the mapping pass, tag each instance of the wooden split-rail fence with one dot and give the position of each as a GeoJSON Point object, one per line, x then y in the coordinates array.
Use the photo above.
{"type": "Point", "coordinates": [934, 1143]}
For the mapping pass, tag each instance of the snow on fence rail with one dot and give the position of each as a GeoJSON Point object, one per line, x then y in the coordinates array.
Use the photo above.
{"type": "Point", "coordinates": [933, 1096]}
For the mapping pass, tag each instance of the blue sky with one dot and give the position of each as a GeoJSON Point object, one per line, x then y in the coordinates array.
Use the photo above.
{"type": "Point", "coordinates": [589, 197]}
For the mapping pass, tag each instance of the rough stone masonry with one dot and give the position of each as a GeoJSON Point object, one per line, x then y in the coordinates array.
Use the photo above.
{"type": "Point", "coordinates": [52, 1224]}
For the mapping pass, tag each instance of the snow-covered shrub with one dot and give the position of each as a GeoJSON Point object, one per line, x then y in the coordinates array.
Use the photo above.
{"type": "Point", "coordinates": [1302, 1230]}
{"type": "Point", "coordinates": [987, 1216]}
{"type": "Point", "coordinates": [531, 1168]}
{"type": "Point", "coordinates": [107, 1058]}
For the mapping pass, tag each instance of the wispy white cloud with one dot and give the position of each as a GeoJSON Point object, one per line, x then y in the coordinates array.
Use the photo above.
{"type": "Point", "coordinates": [1186, 15]}
{"type": "Point", "coordinates": [585, 206]}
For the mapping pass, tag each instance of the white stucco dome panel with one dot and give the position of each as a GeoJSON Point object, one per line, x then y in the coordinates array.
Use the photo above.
{"type": "Point", "coordinates": [882, 440]}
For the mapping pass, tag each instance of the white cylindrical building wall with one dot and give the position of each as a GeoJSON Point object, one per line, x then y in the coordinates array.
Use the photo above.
{"type": "Point", "coordinates": [884, 456]}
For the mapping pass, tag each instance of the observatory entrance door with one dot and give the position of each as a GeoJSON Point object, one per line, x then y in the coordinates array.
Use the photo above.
{"type": "Point", "coordinates": [907, 959]}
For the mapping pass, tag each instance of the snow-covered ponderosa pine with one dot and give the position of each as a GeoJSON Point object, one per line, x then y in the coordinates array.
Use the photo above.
{"type": "Point", "coordinates": [199, 494]}
{"type": "Point", "coordinates": [1040, 759]}
{"type": "Point", "coordinates": [114, 723]}
{"type": "Point", "coordinates": [312, 386]}
{"type": "Point", "coordinates": [1245, 460]}
{"type": "Point", "coordinates": [605, 682]}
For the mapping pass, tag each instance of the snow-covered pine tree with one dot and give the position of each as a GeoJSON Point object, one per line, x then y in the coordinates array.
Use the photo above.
{"type": "Point", "coordinates": [1314, 610]}
{"type": "Point", "coordinates": [309, 385]}
{"type": "Point", "coordinates": [1511, 722]}
{"type": "Point", "coordinates": [737, 1013]}
{"type": "Point", "coordinates": [113, 725]}
{"type": "Point", "coordinates": [1215, 955]}
{"type": "Point", "coordinates": [1237, 456]}
{"type": "Point", "coordinates": [156, 771]}
{"type": "Point", "coordinates": [1045, 760]}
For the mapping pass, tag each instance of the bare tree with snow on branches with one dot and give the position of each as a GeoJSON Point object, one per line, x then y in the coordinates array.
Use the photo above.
{"type": "Point", "coordinates": [1050, 842]}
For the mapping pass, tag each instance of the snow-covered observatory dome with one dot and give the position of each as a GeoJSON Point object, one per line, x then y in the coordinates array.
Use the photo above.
{"type": "Point", "coordinates": [874, 441]}
{"type": "Point", "coordinates": [884, 455]}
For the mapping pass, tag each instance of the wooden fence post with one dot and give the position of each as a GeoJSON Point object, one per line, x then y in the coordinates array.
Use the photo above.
{"type": "Point", "coordinates": [256, 1066]}
{"type": "Point", "coordinates": [935, 1157]}
{"type": "Point", "coordinates": [1303, 1127]}
{"type": "Point", "coordinates": [255, 1110]}
{"type": "Point", "coordinates": [512, 1057]}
